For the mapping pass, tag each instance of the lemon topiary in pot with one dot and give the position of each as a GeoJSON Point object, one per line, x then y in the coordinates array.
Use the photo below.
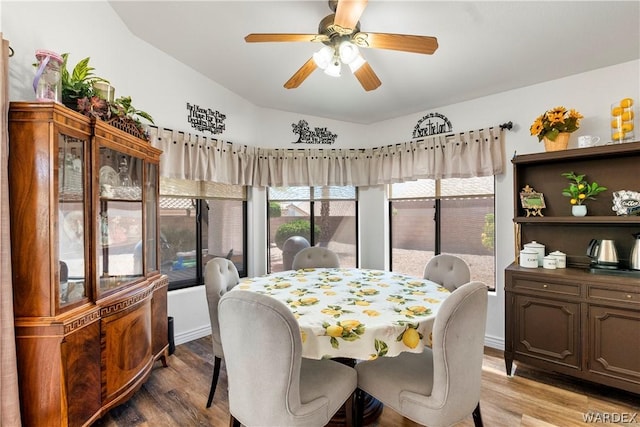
{"type": "Point", "coordinates": [579, 190]}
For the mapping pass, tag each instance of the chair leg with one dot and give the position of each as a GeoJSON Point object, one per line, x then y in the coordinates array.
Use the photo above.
{"type": "Point", "coordinates": [233, 422]}
{"type": "Point", "coordinates": [349, 411]}
{"type": "Point", "coordinates": [359, 408]}
{"type": "Point", "coordinates": [477, 417]}
{"type": "Point", "coordinates": [214, 380]}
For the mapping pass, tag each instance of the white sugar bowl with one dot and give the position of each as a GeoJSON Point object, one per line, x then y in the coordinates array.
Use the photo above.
{"type": "Point", "coordinates": [528, 258]}
{"type": "Point", "coordinates": [539, 248]}
{"type": "Point", "coordinates": [561, 259]}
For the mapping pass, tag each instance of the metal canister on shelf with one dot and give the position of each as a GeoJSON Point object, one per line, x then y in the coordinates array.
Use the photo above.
{"type": "Point", "coordinates": [538, 247]}
{"type": "Point", "coordinates": [528, 258]}
{"type": "Point", "coordinates": [561, 259]}
{"type": "Point", "coordinates": [549, 262]}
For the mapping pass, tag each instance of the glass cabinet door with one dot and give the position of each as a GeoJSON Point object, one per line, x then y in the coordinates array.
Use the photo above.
{"type": "Point", "coordinates": [72, 224]}
{"type": "Point", "coordinates": [120, 225]}
{"type": "Point", "coordinates": [151, 211]}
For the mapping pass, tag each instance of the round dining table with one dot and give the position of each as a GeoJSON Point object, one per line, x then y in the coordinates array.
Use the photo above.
{"type": "Point", "coordinates": [355, 313]}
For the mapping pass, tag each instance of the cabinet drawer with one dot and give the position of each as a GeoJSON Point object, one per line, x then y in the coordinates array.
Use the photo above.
{"type": "Point", "coordinates": [598, 293]}
{"type": "Point", "coordinates": [546, 287]}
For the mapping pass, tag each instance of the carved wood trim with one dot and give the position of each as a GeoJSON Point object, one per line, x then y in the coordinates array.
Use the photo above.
{"type": "Point", "coordinates": [162, 282]}
{"type": "Point", "coordinates": [81, 321]}
{"type": "Point", "coordinates": [124, 304]}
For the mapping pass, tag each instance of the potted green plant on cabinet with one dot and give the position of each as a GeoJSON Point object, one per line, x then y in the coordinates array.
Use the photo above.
{"type": "Point", "coordinates": [80, 94]}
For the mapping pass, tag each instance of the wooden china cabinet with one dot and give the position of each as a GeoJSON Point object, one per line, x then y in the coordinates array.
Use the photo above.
{"type": "Point", "coordinates": [579, 321]}
{"type": "Point", "coordinates": [90, 304]}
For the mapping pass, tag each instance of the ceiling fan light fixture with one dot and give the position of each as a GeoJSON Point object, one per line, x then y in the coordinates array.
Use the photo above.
{"type": "Point", "coordinates": [358, 62]}
{"type": "Point", "coordinates": [348, 52]}
{"type": "Point", "coordinates": [333, 69]}
{"type": "Point", "coordinates": [323, 57]}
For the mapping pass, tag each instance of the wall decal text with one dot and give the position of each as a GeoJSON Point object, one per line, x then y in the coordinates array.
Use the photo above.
{"type": "Point", "coordinates": [432, 124]}
{"type": "Point", "coordinates": [205, 119]}
{"type": "Point", "coordinates": [317, 136]}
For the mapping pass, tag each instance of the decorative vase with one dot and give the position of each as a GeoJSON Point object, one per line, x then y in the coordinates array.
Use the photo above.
{"type": "Point", "coordinates": [561, 142]}
{"type": "Point", "coordinates": [579, 210]}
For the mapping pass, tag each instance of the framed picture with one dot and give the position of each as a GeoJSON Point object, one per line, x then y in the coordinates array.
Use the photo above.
{"type": "Point", "coordinates": [532, 200]}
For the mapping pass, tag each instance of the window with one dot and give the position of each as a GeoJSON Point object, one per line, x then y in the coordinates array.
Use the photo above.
{"type": "Point", "coordinates": [454, 216]}
{"type": "Point", "coordinates": [294, 211]}
{"type": "Point", "coordinates": [202, 218]}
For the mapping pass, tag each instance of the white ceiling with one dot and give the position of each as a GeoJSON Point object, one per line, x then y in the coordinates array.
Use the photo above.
{"type": "Point", "coordinates": [485, 47]}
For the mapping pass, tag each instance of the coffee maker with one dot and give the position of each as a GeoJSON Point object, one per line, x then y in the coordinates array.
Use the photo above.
{"type": "Point", "coordinates": [603, 254]}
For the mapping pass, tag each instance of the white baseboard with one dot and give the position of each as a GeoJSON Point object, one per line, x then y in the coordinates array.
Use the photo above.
{"type": "Point", "coordinates": [191, 335]}
{"type": "Point", "coordinates": [494, 342]}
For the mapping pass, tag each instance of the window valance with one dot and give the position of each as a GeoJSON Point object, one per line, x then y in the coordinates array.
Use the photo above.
{"type": "Point", "coordinates": [463, 155]}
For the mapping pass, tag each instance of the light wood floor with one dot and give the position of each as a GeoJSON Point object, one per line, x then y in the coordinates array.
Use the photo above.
{"type": "Point", "coordinates": [177, 395]}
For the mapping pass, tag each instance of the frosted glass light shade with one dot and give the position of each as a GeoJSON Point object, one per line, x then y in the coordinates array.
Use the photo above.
{"type": "Point", "coordinates": [348, 52]}
{"type": "Point", "coordinates": [333, 69]}
{"type": "Point", "coordinates": [323, 57]}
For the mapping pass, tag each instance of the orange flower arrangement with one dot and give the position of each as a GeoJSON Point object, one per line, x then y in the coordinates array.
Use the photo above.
{"type": "Point", "coordinates": [555, 121]}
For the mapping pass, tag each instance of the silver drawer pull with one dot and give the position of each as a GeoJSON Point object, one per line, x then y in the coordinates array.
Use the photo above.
{"type": "Point", "coordinates": [545, 286]}
{"type": "Point", "coordinates": [629, 297]}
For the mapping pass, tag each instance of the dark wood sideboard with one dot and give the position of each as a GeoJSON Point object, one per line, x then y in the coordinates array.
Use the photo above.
{"type": "Point", "coordinates": [577, 321]}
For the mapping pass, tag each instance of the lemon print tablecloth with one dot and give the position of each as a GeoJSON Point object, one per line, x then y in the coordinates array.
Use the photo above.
{"type": "Point", "coordinates": [355, 313]}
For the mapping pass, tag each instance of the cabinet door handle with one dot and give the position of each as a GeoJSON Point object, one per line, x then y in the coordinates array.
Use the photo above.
{"type": "Point", "coordinates": [545, 286]}
{"type": "Point", "coordinates": [629, 296]}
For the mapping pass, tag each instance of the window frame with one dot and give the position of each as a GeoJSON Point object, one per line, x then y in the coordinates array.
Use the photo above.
{"type": "Point", "coordinates": [437, 199]}
{"type": "Point", "coordinates": [200, 204]}
{"type": "Point", "coordinates": [311, 200]}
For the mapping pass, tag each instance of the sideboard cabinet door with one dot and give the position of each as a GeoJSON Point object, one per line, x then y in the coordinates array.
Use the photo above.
{"type": "Point", "coordinates": [548, 329]}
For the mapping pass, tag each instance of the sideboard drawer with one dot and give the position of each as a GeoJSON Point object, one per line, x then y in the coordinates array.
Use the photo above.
{"type": "Point", "coordinates": [546, 287]}
{"type": "Point", "coordinates": [598, 293]}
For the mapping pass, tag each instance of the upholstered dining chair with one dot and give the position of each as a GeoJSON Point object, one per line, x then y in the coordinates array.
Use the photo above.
{"type": "Point", "coordinates": [315, 257]}
{"type": "Point", "coordinates": [447, 270]}
{"type": "Point", "coordinates": [441, 385]}
{"type": "Point", "coordinates": [270, 384]}
{"type": "Point", "coordinates": [220, 276]}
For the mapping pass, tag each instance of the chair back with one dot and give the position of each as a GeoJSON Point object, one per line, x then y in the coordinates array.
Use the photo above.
{"type": "Point", "coordinates": [315, 257]}
{"type": "Point", "coordinates": [220, 276]}
{"type": "Point", "coordinates": [458, 348]}
{"type": "Point", "coordinates": [447, 270]}
{"type": "Point", "coordinates": [263, 348]}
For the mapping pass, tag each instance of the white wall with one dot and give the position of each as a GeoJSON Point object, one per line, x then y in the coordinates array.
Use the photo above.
{"type": "Point", "coordinates": [162, 86]}
{"type": "Point", "coordinates": [590, 93]}
{"type": "Point", "coordinates": [157, 83]}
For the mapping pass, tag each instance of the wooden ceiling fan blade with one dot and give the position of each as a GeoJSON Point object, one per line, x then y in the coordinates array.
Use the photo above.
{"type": "Point", "coordinates": [348, 13]}
{"type": "Point", "coordinates": [300, 75]}
{"type": "Point", "coordinates": [367, 77]}
{"type": "Point", "coordinates": [401, 42]}
{"type": "Point", "coordinates": [284, 37]}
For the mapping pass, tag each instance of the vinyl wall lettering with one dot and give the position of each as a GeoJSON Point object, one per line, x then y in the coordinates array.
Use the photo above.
{"type": "Point", "coordinates": [205, 119]}
{"type": "Point", "coordinates": [432, 124]}
{"type": "Point", "coordinates": [317, 136]}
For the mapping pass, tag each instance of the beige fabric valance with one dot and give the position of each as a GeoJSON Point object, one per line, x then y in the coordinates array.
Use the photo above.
{"type": "Point", "coordinates": [195, 157]}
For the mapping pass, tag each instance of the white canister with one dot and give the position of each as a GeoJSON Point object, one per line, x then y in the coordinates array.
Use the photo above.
{"type": "Point", "coordinates": [549, 262]}
{"type": "Point", "coordinates": [561, 259]}
{"type": "Point", "coordinates": [528, 258]}
{"type": "Point", "coordinates": [539, 248]}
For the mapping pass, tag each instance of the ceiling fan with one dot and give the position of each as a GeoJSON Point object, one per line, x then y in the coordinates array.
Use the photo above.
{"type": "Point", "coordinates": [341, 35]}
